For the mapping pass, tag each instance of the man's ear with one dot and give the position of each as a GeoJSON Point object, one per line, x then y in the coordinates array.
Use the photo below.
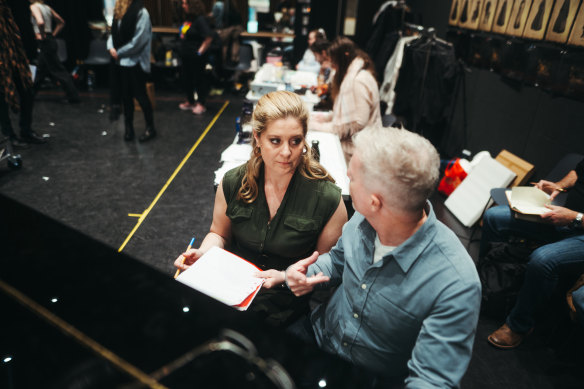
{"type": "Point", "coordinates": [375, 202]}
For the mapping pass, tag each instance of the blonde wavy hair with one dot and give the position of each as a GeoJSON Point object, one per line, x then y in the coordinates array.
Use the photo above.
{"type": "Point", "coordinates": [274, 106]}
{"type": "Point", "coordinates": [121, 8]}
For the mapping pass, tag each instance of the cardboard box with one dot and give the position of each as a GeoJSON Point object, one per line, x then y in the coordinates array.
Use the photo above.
{"type": "Point", "coordinates": [523, 169]}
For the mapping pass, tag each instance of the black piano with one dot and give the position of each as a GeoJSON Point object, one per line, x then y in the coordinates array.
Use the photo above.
{"type": "Point", "coordinates": [77, 314]}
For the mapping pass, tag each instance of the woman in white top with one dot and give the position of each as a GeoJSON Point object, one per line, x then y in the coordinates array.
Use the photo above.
{"type": "Point", "coordinates": [355, 94]}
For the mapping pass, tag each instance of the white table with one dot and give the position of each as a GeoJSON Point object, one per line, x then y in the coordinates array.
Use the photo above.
{"type": "Point", "coordinates": [331, 157]}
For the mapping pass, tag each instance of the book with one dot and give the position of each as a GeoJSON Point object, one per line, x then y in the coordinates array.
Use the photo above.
{"type": "Point", "coordinates": [473, 196]}
{"type": "Point", "coordinates": [528, 202]}
{"type": "Point", "coordinates": [225, 277]}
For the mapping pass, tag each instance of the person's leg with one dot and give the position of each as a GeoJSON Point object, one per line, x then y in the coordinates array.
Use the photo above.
{"type": "Point", "coordinates": [127, 102]}
{"type": "Point", "coordinates": [58, 71]}
{"type": "Point", "coordinates": [188, 82]}
{"type": "Point", "coordinates": [139, 88]}
{"type": "Point", "coordinates": [499, 224]}
{"type": "Point", "coordinates": [201, 85]}
{"type": "Point", "coordinates": [115, 90]}
{"type": "Point", "coordinates": [578, 300]}
{"type": "Point", "coordinates": [26, 95]}
{"type": "Point", "coordinates": [42, 69]}
{"type": "Point", "coordinates": [545, 266]}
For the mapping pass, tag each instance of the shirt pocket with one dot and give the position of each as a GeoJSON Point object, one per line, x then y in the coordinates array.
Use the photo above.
{"type": "Point", "coordinates": [392, 327]}
{"type": "Point", "coordinates": [302, 224]}
{"type": "Point", "coordinates": [238, 214]}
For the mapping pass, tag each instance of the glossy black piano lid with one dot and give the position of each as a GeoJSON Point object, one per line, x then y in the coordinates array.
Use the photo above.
{"type": "Point", "coordinates": [53, 277]}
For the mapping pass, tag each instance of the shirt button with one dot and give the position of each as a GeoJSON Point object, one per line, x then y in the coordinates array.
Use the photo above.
{"type": "Point", "coordinates": [356, 316]}
{"type": "Point", "coordinates": [363, 286]}
{"type": "Point", "coordinates": [345, 344]}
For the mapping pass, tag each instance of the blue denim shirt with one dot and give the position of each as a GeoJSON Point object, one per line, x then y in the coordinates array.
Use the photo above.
{"type": "Point", "coordinates": [413, 313]}
{"type": "Point", "coordinates": [137, 51]}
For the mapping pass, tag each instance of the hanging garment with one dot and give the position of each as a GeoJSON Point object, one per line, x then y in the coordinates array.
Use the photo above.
{"type": "Point", "coordinates": [387, 90]}
{"type": "Point", "coordinates": [426, 86]}
{"type": "Point", "coordinates": [385, 35]}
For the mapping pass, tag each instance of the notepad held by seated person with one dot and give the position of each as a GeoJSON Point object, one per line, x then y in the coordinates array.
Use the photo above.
{"type": "Point", "coordinates": [225, 277]}
{"type": "Point", "coordinates": [528, 202]}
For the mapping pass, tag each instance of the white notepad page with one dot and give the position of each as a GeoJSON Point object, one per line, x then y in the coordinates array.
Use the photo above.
{"type": "Point", "coordinates": [223, 276]}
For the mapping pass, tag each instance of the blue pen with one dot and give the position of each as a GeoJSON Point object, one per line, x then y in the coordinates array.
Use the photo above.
{"type": "Point", "coordinates": [183, 259]}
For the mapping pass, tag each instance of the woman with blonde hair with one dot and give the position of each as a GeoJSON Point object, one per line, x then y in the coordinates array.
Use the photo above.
{"type": "Point", "coordinates": [129, 45]}
{"type": "Point", "coordinates": [278, 207]}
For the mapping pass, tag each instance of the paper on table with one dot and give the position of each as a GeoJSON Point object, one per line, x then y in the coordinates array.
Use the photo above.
{"type": "Point", "coordinates": [223, 276]}
{"type": "Point", "coordinates": [529, 200]}
{"type": "Point", "coordinates": [236, 152]}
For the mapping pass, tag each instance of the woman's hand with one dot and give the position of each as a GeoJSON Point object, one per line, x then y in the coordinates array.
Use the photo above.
{"type": "Point", "coordinates": [186, 259]}
{"type": "Point", "coordinates": [272, 278]}
{"type": "Point", "coordinates": [113, 53]}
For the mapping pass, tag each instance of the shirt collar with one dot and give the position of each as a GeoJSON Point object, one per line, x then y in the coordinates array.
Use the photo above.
{"type": "Point", "coordinates": [409, 251]}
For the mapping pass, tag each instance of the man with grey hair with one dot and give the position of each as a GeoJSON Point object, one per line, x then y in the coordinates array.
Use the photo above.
{"type": "Point", "coordinates": [408, 294]}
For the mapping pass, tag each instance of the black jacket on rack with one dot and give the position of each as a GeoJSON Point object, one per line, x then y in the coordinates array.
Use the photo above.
{"type": "Point", "coordinates": [426, 86]}
{"type": "Point", "coordinates": [385, 35]}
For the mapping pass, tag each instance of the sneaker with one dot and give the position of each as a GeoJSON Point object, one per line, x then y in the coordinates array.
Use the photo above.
{"type": "Point", "coordinates": [186, 106]}
{"type": "Point", "coordinates": [199, 109]}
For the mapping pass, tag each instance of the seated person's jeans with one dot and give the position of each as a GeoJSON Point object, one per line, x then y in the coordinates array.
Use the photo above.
{"type": "Point", "coordinates": [561, 256]}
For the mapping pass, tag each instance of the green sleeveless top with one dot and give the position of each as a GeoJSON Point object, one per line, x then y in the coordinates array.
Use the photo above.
{"type": "Point", "coordinates": [291, 235]}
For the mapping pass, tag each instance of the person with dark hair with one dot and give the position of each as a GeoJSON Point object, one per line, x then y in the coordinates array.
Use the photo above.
{"type": "Point", "coordinates": [195, 36]}
{"type": "Point", "coordinates": [355, 94]}
{"type": "Point", "coordinates": [319, 49]}
{"type": "Point", "coordinates": [278, 207]}
{"type": "Point", "coordinates": [48, 59]}
{"type": "Point", "coordinates": [130, 45]}
{"type": "Point", "coordinates": [308, 63]}
{"type": "Point", "coordinates": [15, 82]}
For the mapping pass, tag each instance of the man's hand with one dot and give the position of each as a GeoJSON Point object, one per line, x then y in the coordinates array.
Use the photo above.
{"type": "Point", "coordinates": [549, 187]}
{"type": "Point", "coordinates": [187, 258]}
{"type": "Point", "coordinates": [559, 216]}
{"type": "Point", "coordinates": [298, 283]}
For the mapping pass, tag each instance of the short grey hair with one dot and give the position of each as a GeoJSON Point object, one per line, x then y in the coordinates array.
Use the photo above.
{"type": "Point", "coordinates": [402, 165]}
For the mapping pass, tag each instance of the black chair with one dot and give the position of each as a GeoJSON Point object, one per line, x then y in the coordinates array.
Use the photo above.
{"type": "Point", "coordinates": [98, 58]}
{"type": "Point", "coordinates": [245, 58]}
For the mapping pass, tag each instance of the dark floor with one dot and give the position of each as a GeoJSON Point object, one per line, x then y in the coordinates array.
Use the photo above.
{"type": "Point", "coordinates": [87, 177]}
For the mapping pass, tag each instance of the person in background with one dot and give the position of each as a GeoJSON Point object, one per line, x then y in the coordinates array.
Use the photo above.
{"type": "Point", "coordinates": [319, 49]}
{"type": "Point", "coordinates": [15, 82]}
{"type": "Point", "coordinates": [278, 207]}
{"type": "Point", "coordinates": [355, 94]}
{"type": "Point", "coordinates": [229, 29]}
{"type": "Point", "coordinates": [48, 59]}
{"type": "Point", "coordinates": [130, 45]}
{"type": "Point", "coordinates": [562, 254]}
{"type": "Point", "coordinates": [195, 36]}
{"type": "Point", "coordinates": [407, 296]}
{"type": "Point", "coordinates": [308, 63]}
